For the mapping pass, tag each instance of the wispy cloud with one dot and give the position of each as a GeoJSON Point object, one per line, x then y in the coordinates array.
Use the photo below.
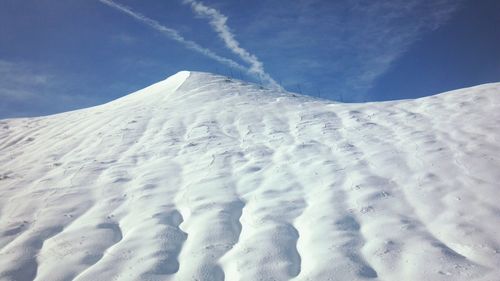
{"type": "Point", "coordinates": [124, 38]}
{"type": "Point", "coordinates": [174, 35]}
{"type": "Point", "coordinates": [218, 21]}
{"type": "Point", "coordinates": [355, 41]}
{"type": "Point", "coordinates": [382, 32]}
{"type": "Point", "coordinates": [26, 91]}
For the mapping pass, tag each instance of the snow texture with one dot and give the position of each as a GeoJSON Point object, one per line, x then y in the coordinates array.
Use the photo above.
{"type": "Point", "coordinates": [202, 177]}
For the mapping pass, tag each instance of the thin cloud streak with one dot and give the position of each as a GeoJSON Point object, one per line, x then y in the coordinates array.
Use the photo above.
{"type": "Point", "coordinates": [362, 39]}
{"type": "Point", "coordinates": [218, 22]}
{"type": "Point", "coordinates": [392, 33]}
{"type": "Point", "coordinates": [28, 90]}
{"type": "Point", "coordinates": [174, 35]}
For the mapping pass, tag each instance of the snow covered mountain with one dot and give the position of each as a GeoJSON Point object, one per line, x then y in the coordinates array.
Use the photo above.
{"type": "Point", "coordinates": [200, 177]}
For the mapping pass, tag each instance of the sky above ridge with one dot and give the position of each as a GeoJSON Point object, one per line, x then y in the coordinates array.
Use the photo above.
{"type": "Point", "coordinates": [61, 55]}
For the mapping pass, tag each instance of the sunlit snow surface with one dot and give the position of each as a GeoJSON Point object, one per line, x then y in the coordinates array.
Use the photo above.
{"type": "Point", "coordinates": [200, 177]}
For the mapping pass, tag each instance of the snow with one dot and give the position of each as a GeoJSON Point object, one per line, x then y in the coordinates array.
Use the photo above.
{"type": "Point", "coordinates": [201, 177]}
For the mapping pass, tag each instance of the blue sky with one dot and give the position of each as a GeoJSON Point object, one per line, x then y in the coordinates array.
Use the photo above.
{"type": "Point", "coordinates": [62, 55]}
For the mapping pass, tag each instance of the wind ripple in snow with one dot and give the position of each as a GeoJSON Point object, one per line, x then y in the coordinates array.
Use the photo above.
{"type": "Point", "coordinates": [201, 177]}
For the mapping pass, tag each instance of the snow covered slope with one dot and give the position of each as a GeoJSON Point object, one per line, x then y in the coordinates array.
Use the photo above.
{"type": "Point", "coordinates": [200, 177]}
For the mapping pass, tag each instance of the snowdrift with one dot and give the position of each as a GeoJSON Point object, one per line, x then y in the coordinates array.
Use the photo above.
{"type": "Point", "coordinates": [201, 177]}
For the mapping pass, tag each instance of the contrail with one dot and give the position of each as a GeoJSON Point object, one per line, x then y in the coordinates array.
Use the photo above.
{"type": "Point", "coordinates": [218, 23]}
{"type": "Point", "coordinates": [174, 35]}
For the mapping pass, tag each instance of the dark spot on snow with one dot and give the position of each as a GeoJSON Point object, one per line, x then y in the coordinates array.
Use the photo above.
{"type": "Point", "coordinates": [121, 179]}
{"type": "Point", "coordinates": [368, 272]}
{"type": "Point", "coordinates": [254, 169]}
{"type": "Point", "coordinates": [14, 230]}
{"type": "Point", "coordinates": [348, 223]}
{"type": "Point", "coordinates": [149, 186]}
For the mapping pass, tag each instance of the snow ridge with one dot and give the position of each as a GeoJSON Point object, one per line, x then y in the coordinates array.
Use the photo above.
{"type": "Point", "coordinates": [202, 177]}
